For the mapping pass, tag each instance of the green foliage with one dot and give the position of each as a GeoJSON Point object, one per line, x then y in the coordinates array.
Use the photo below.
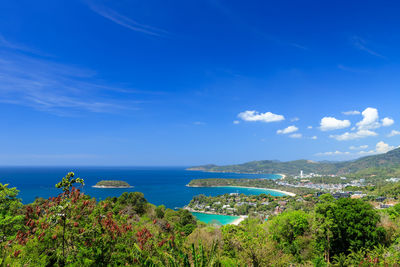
{"type": "Point", "coordinates": [160, 211]}
{"type": "Point", "coordinates": [185, 218]}
{"type": "Point", "coordinates": [66, 182]}
{"type": "Point", "coordinates": [346, 225]}
{"type": "Point", "coordinates": [10, 212]}
{"type": "Point", "coordinates": [389, 190]}
{"type": "Point", "coordinates": [288, 230]}
{"type": "Point", "coordinates": [394, 211]}
{"type": "Point", "coordinates": [286, 227]}
{"type": "Point", "coordinates": [11, 218]}
{"type": "Point", "coordinates": [130, 203]}
{"type": "Point", "coordinates": [73, 229]}
{"type": "Point", "coordinates": [250, 245]}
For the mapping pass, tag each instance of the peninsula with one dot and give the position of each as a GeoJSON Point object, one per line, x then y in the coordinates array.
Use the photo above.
{"type": "Point", "coordinates": [112, 184]}
{"type": "Point", "coordinates": [249, 183]}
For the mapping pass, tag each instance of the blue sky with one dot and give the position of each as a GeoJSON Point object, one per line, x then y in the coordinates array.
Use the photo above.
{"type": "Point", "coordinates": [192, 82]}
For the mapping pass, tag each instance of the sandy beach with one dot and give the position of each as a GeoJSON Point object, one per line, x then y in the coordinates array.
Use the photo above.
{"type": "Point", "coordinates": [276, 190]}
{"type": "Point", "coordinates": [239, 220]}
{"type": "Point", "coordinates": [235, 222]}
{"type": "Point", "coordinates": [283, 176]}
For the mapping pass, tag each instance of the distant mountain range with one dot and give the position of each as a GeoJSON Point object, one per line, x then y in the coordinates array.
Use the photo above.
{"type": "Point", "coordinates": [389, 160]}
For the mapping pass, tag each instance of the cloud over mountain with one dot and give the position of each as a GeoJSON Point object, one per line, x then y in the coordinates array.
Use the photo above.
{"type": "Point", "coordinates": [365, 127]}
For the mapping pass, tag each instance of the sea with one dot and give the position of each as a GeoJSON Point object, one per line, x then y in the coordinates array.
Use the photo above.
{"type": "Point", "coordinates": [160, 185]}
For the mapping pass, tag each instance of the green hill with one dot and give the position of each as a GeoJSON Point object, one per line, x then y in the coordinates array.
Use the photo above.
{"type": "Point", "coordinates": [390, 159]}
{"type": "Point", "coordinates": [389, 162]}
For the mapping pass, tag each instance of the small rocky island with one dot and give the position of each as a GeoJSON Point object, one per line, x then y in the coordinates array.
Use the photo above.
{"type": "Point", "coordinates": [112, 184]}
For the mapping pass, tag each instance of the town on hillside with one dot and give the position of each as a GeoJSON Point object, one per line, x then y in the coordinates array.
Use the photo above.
{"type": "Point", "coordinates": [309, 187]}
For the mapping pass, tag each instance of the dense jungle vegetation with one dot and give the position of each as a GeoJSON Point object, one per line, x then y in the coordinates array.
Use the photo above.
{"type": "Point", "coordinates": [73, 229]}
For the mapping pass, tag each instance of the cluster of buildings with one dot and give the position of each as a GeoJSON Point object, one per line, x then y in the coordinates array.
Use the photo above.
{"type": "Point", "coordinates": [302, 175]}
{"type": "Point", "coordinates": [305, 183]}
{"type": "Point", "coordinates": [380, 202]}
{"type": "Point", "coordinates": [308, 184]}
{"type": "Point", "coordinates": [341, 194]}
{"type": "Point", "coordinates": [393, 180]}
{"type": "Point", "coordinates": [235, 204]}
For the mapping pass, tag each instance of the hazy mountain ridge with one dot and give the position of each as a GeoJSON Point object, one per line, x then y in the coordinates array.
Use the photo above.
{"type": "Point", "coordinates": [390, 159]}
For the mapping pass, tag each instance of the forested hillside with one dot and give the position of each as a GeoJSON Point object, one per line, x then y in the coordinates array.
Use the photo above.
{"type": "Point", "coordinates": [73, 229]}
{"type": "Point", "coordinates": [389, 161]}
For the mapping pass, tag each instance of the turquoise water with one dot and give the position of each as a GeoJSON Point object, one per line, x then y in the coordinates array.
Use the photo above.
{"type": "Point", "coordinates": [254, 191]}
{"type": "Point", "coordinates": [160, 185]}
{"type": "Point", "coordinates": [222, 219]}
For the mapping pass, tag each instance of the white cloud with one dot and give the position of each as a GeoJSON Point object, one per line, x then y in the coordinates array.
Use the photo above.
{"type": "Point", "coordinates": [387, 122]}
{"type": "Point", "coordinates": [314, 137]}
{"type": "Point", "coordinates": [355, 135]}
{"type": "Point", "coordinates": [358, 147]}
{"type": "Point", "coordinates": [296, 135]}
{"type": "Point", "coordinates": [370, 119]}
{"type": "Point", "coordinates": [380, 148]}
{"type": "Point", "coordinates": [361, 44]}
{"type": "Point", "coordinates": [39, 82]}
{"type": "Point", "coordinates": [309, 127]}
{"type": "Point", "coordinates": [351, 112]}
{"type": "Point", "coordinates": [334, 153]}
{"type": "Point", "coordinates": [252, 115]}
{"type": "Point", "coordinates": [199, 123]}
{"type": "Point", "coordinates": [294, 119]}
{"type": "Point", "coordinates": [331, 123]}
{"type": "Point", "coordinates": [124, 21]}
{"type": "Point", "coordinates": [236, 122]}
{"type": "Point", "coordinates": [393, 133]}
{"type": "Point", "coordinates": [290, 129]}
{"type": "Point", "coordinates": [364, 128]}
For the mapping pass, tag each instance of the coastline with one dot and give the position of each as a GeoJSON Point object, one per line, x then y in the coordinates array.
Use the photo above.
{"type": "Point", "coordinates": [270, 189]}
{"type": "Point", "coordinates": [283, 176]}
{"type": "Point", "coordinates": [205, 212]}
{"type": "Point", "coordinates": [235, 222]}
{"type": "Point", "coordinates": [239, 220]}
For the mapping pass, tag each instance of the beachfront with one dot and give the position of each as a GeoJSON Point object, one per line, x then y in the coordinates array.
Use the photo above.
{"type": "Point", "coordinates": [249, 187]}
{"type": "Point", "coordinates": [208, 216]}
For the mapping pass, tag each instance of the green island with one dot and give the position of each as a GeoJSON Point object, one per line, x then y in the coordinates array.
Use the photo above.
{"type": "Point", "coordinates": [112, 184]}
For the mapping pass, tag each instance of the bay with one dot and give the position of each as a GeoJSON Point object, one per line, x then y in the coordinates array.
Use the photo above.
{"type": "Point", "coordinates": [211, 218]}
{"type": "Point", "coordinates": [160, 185]}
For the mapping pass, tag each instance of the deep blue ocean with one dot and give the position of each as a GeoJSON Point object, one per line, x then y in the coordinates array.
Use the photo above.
{"type": "Point", "coordinates": [160, 185]}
